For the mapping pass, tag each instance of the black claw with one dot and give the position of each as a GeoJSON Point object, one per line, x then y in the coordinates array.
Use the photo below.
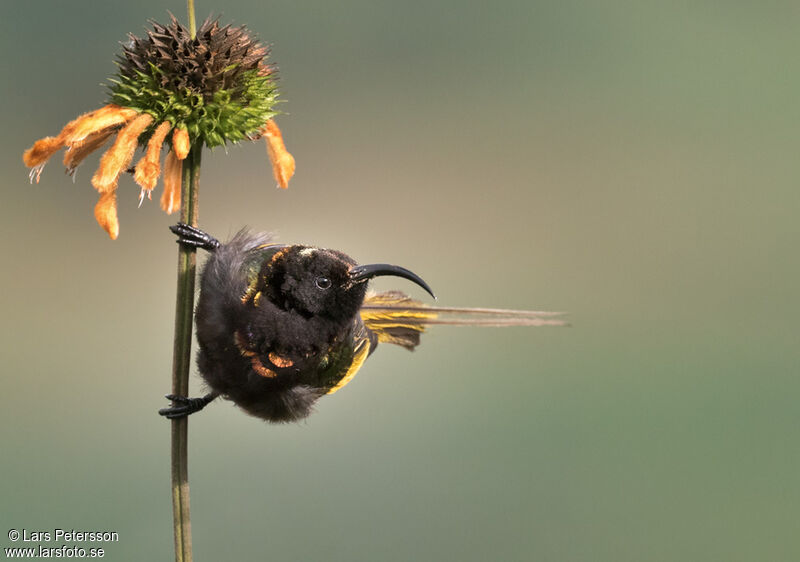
{"type": "Point", "coordinates": [184, 406]}
{"type": "Point", "coordinates": [191, 236]}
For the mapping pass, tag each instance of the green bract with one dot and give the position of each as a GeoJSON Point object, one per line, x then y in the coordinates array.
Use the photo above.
{"type": "Point", "coordinates": [217, 86]}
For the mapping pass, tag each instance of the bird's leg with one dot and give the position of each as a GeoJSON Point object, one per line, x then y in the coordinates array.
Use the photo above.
{"type": "Point", "coordinates": [191, 236]}
{"type": "Point", "coordinates": [183, 405]}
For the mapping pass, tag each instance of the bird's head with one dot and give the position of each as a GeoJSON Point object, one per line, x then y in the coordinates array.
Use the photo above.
{"type": "Point", "coordinates": [320, 282]}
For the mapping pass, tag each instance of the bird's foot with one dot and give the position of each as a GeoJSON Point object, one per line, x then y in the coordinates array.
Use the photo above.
{"type": "Point", "coordinates": [183, 405]}
{"type": "Point", "coordinates": [191, 236]}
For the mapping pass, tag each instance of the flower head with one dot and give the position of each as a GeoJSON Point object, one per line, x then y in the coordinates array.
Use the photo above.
{"type": "Point", "coordinates": [176, 90]}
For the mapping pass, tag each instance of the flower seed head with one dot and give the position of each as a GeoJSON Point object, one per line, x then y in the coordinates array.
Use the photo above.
{"type": "Point", "coordinates": [208, 90]}
{"type": "Point", "coordinates": [217, 86]}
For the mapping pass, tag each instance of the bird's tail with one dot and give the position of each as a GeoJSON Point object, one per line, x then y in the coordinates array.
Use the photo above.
{"type": "Point", "coordinates": [396, 318]}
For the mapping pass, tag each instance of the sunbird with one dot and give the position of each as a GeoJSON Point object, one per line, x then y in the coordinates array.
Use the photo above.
{"type": "Point", "coordinates": [280, 326]}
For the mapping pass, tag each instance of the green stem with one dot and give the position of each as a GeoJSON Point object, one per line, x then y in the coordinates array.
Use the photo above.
{"type": "Point", "coordinates": [192, 24]}
{"type": "Point", "coordinates": [181, 359]}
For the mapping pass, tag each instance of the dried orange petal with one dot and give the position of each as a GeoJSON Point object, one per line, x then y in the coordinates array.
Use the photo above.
{"type": "Point", "coordinates": [180, 143]}
{"type": "Point", "coordinates": [106, 213]}
{"type": "Point", "coordinates": [282, 161]}
{"type": "Point", "coordinates": [117, 158]}
{"type": "Point", "coordinates": [171, 198]}
{"type": "Point", "coordinates": [149, 167]}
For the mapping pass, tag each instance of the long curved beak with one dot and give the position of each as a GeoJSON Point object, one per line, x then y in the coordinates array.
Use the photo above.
{"type": "Point", "coordinates": [362, 273]}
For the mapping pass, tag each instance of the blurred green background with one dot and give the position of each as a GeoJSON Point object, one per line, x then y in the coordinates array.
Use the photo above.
{"type": "Point", "coordinates": [634, 163]}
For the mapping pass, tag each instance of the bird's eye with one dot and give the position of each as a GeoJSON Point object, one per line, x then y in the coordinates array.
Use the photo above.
{"type": "Point", "coordinates": [323, 283]}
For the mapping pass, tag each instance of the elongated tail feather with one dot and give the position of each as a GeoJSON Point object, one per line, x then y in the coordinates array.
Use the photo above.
{"type": "Point", "coordinates": [396, 318]}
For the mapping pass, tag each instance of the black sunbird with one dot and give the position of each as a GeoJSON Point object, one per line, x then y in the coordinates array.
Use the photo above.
{"type": "Point", "coordinates": [279, 326]}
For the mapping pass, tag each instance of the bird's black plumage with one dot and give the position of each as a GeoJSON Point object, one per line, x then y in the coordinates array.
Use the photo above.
{"type": "Point", "coordinates": [280, 326]}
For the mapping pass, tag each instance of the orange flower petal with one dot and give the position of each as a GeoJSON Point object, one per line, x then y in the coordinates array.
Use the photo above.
{"type": "Point", "coordinates": [171, 198]}
{"type": "Point", "coordinates": [106, 213]}
{"type": "Point", "coordinates": [149, 167]}
{"type": "Point", "coordinates": [109, 115]}
{"type": "Point", "coordinates": [69, 128]}
{"type": "Point", "coordinates": [180, 143]}
{"type": "Point", "coordinates": [77, 153]}
{"type": "Point", "coordinates": [41, 150]}
{"type": "Point", "coordinates": [37, 155]}
{"type": "Point", "coordinates": [117, 158]}
{"type": "Point", "coordinates": [282, 161]}
{"type": "Point", "coordinates": [73, 133]}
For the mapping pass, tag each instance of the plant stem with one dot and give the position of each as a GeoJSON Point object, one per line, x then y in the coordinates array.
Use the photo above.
{"type": "Point", "coordinates": [192, 23]}
{"type": "Point", "coordinates": [181, 359]}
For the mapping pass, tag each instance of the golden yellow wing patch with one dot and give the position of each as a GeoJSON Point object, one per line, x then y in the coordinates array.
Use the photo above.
{"type": "Point", "coordinates": [396, 318]}
{"type": "Point", "coordinates": [360, 355]}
